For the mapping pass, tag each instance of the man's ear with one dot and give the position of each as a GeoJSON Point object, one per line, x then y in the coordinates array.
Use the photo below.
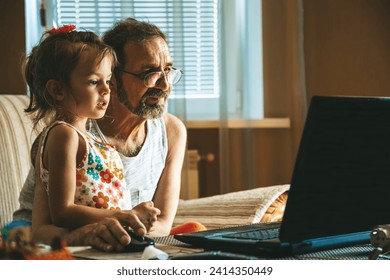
{"type": "Point", "coordinates": [55, 90]}
{"type": "Point", "coordinates": [113, 86]}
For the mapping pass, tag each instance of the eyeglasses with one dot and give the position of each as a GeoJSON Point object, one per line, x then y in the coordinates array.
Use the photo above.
{"type": "Point", "coordinates": [172, 76]}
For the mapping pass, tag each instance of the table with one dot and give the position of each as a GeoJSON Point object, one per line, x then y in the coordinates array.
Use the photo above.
{"type": "Point", "coordinates": [174, 247]}
{"type": "Point", "coordinates": [167, 244]}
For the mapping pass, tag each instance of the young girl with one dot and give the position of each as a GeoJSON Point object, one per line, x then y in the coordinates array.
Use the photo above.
{"type": "Point", "coordinates": [69, 74]}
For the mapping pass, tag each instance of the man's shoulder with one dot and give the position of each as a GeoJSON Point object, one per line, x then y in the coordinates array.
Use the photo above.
{"type": "Point", "coordinates": [173, 123]}
{"type": "Point", "coordinates": [176, 135]}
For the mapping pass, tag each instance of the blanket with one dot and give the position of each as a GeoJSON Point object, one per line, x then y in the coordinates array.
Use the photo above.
{"type": "Point", "coordinates": [235, 208]}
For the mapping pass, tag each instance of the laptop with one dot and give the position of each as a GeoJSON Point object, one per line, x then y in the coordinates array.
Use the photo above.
{"type": "Point", "coordinates": [340, 186]}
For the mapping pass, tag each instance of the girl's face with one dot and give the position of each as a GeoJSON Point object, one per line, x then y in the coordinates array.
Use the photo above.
{"type": "Point", "coordinates": [88, 94]}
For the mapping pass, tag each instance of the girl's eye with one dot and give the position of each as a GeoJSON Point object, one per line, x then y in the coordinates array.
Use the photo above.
{"type": "Point", "coordinates": [93, 82]}
{"type": "Point", "coordinates": [108, 82]}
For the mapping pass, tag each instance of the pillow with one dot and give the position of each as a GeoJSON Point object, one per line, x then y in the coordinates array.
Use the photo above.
{"type": "Point", "coordinates": [235, 208]}
{"type": "Point", "coordinates": [16, 136]}
{"type": "Point", "coordinates": [275, 211]}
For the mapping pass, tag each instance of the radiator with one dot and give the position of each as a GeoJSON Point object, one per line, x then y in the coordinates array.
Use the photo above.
{"type": "Point", "coordinates": [190, 175]}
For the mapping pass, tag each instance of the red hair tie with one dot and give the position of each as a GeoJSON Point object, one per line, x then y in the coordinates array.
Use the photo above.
{"type": "Point", "coordinates": [63, 29]}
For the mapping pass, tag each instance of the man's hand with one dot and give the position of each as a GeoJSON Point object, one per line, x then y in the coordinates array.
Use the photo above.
{"type": "Point", "coordinates": [110, 234]}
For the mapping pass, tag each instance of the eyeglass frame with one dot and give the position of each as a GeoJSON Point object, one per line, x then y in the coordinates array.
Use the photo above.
{"type": "Point", "coordinates": [153, 72]}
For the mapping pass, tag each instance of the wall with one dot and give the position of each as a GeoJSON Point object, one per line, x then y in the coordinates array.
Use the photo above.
{"type": "Point", "coordinates": [13, 46]}
{"type": "Point", "coordinates": [347, 47]}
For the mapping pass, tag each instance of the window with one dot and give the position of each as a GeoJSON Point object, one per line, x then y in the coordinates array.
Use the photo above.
{"type": "Point", "coordinates": [217, 44]}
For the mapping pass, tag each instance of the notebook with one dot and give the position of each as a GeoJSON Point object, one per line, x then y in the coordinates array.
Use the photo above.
{"type": "Point", "coordinates": [340, 186]}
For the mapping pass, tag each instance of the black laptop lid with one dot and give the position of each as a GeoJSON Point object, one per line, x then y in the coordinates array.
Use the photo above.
{"type": "Point", "coordinates": [341, 178]}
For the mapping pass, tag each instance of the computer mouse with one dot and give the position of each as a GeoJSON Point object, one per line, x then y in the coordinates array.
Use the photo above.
{"type": "Point", "coordinates": [138, 243]}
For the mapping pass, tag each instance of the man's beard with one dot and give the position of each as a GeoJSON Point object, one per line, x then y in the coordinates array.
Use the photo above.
{"type": "Point", "coordinates": [144, 110]}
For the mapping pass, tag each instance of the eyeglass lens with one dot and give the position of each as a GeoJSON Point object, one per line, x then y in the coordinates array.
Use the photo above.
{"type": "Point", "coordinates": [172, 76]}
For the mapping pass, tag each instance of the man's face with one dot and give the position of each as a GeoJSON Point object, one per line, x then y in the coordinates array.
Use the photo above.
{"type": "Point", "coordinates": [142, 58]}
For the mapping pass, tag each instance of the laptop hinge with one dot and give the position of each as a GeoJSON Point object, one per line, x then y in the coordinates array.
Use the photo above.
{"type": "Point", "coordinates": [329, 242]}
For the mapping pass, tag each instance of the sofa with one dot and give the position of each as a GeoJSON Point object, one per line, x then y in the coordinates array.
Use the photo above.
{"type": "Point", "coordinates": [262, 204]}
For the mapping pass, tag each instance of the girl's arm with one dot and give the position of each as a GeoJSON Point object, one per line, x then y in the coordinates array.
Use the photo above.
{"type": "Point", "coordinates": [64, 147]}
{"type": "Point", "coordinates": [41, 226]}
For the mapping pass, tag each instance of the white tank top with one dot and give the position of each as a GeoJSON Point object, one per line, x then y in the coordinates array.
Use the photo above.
{"type": "Point", "coordinates": [143, 171]}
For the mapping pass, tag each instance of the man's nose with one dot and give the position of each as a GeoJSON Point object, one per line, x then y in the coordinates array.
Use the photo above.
{"type": "Point", "coordinates": [162, 83]}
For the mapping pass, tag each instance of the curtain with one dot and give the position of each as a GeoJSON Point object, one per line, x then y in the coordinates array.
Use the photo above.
{"type": "Point", "coordinates": [255, 157]}
{"type": "Point", "coordinates": [295, 72]}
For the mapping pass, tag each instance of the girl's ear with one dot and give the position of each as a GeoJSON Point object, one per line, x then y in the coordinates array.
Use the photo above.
{"type": "Point", "coordinates": [55, 90]}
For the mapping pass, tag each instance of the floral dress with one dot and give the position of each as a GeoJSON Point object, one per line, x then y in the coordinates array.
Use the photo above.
{"type": "Point", "coordinates": [99, 176]}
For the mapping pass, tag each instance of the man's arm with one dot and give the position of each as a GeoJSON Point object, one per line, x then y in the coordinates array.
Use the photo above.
{"type": "Point", "coordinates": [26, 195]}
{"type": "Point", "coordinates": [107, 235]}
{"type": "Point", "coordinates": [167, 194]}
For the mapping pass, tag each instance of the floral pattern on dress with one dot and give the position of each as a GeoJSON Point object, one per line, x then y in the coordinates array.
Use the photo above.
{"type": "Point", "coordinates": [101, 201]}
{"type": "Point", "coordinates": [99, 178]}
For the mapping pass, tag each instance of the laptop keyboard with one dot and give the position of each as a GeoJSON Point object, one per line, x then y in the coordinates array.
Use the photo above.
{"type": "Point", "coordinates": [262, 234]}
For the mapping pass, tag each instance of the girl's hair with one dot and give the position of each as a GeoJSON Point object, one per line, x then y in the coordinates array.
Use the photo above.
{"type": "Point", "coordinates": [54, 58]}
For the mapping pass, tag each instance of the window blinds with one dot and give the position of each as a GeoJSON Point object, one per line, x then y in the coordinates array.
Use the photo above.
{"type": "Point", "coordinates": [192, 28]}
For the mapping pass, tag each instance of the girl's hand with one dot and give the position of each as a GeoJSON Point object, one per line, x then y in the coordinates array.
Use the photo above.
{"type": "Point", "coordinates": [147, 214]}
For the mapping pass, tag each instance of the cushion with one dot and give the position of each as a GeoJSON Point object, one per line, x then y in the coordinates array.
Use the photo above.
{"type": "Point", "coordinates": [235, 208]}
{"type": "Point", "coordinates": [16, 136]}
{"type": "Point", "coordinates": [275, 211]}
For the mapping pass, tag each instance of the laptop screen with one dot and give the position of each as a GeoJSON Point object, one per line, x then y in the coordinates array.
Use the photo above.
{"type": "Point", "coordinates": [341, 178]}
